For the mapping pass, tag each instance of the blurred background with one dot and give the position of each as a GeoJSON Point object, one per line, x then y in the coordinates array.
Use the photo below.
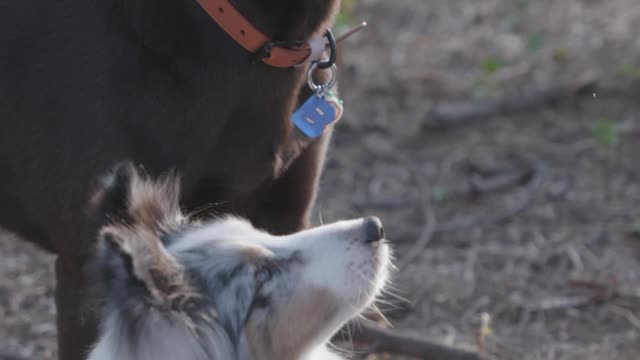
{"type": "Point", "coordinates": [498, 140]}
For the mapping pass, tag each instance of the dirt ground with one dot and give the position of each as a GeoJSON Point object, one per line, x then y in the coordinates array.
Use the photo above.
{"type": "Point", "coordinates": [531, 217]}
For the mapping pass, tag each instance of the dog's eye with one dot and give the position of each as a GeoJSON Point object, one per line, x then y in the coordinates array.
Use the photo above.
{"type": "Point", "coordinates": [261, 302]}
{"type": "Point", "coordinates": [263, 275]}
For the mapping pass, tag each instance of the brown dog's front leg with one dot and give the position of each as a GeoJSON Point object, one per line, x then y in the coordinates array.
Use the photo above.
{"type": "Point", "coordinates": [284, 205]}
{"type": "Point", "coordinates": [77, 325]}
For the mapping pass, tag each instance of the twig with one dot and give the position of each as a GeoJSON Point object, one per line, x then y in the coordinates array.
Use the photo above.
{"type": "Point", "coordinates": [430, 224]}
{"type": "Point", "coordinates": [627, 314]}
{"type": "Point", "coordinates": [600, 294]}
{"type": "Point", "coordinates": [445, 115]}
{"type": "Point", "coordinates": [472, 221]}
{"type": "Point", "coordinates": [350, 32]}
{"type": "Point", "coordinates": [380, 340]}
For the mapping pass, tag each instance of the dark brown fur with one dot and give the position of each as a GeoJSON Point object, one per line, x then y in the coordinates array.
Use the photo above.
{"type": "Point", "coordinates": [87, 84]}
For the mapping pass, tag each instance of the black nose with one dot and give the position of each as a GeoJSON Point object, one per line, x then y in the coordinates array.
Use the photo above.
{"type": "Point", "coordinates": [373, 229]}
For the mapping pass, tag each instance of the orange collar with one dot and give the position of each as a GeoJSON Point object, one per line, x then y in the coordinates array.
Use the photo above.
{"type": "Point", "coordinates": [254, 41]}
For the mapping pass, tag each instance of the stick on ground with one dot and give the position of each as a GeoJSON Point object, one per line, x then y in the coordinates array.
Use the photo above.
{"type": "Point", "coordinates": [450, 114]}
{"type": "Point", "coordinates": [379, 340]}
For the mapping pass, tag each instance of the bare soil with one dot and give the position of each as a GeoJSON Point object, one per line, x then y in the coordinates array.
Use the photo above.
{"type": "Point", "coordinates": [532, 217]}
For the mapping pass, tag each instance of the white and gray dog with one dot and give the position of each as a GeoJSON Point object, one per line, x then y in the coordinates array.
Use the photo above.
{"type": "Point", "coordinates": [177, 289]}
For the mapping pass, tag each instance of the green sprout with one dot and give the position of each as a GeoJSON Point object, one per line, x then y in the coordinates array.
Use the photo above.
{"type": "Point", "coordinates": [345, 16]}
{"type": "Point", "coordinates": [606, 132]}
{"type": "Point", "coordinates": [630, 71]}
{"type": "Point", "coordinates": [535, 42]}
{"type": "Point", "coordinates": [491, 65]}
{"type": "Point", "coordinates": [438, 194]}
{"type": "Point", "coordinates": [522, 4]}
{"type": "Point", "coordinates": [484, 86]}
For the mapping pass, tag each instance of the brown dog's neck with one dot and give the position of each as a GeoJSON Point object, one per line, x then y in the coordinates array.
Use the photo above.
{"type": "Point", "coordinates": [178, 27]}
{"type": "Point", "coordinates": [289, 20]}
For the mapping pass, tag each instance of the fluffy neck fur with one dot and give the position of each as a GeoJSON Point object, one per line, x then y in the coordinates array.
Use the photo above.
{"type": "Point", "coordinates": [112, 345]}
{"type": "Point", "coordinates": [160, 337]}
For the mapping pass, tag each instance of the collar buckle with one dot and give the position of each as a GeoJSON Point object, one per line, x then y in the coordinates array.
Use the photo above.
{"type": "Point", "coordinates": [265, 50]}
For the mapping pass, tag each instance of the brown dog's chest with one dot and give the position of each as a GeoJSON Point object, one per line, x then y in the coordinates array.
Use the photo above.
{"type": "Point", "coordinates": [157, 84]}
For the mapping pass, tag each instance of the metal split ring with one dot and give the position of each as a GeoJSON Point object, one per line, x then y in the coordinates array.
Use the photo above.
{"type": "Point", "coordinates": [321, 87]}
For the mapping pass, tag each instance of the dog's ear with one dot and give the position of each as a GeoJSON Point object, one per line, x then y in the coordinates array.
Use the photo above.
{"type": "Point", "coordinates": [155, 204]}
{"type": "Point", "coordinates": [134, 258]}
{"type": "Point", "coordinates": [111, 197]}
{"type": "Point", "coordinates": [127, 195]}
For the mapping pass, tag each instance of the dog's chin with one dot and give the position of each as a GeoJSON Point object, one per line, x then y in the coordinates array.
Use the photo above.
{"type": "Point", "coordinates": [370, 276]}
{"type": "Point", "coordinates": [327, 309]}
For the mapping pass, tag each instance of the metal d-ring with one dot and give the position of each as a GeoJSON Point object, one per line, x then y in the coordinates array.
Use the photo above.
{"type": "Point", "coordinates": [321, 87]}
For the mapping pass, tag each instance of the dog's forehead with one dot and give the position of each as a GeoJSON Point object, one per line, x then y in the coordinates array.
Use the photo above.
{"type": "Point", "coordinates": [227, 233]}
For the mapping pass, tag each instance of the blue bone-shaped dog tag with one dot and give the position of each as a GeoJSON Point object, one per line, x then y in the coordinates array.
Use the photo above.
{"type": "Point", "coordinates": [318, 112]}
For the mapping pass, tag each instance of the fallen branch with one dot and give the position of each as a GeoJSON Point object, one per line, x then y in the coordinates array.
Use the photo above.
{"type": "Point", "coordinates": [476, 185]}
{"type": "Point", "coordinates": [377, 340]}
{"type": "Point", "coordinates": [613, 289]}
{"type": "Point", "coordinates": [448, 114]}
{"type": "Point", "coordinates": [481, 185]}
{"type": "Point", "coordinates": [561, 303]}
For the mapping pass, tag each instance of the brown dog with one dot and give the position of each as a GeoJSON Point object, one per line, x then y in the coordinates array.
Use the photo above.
{"type": "Point", "coordinates": [87, 84]}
